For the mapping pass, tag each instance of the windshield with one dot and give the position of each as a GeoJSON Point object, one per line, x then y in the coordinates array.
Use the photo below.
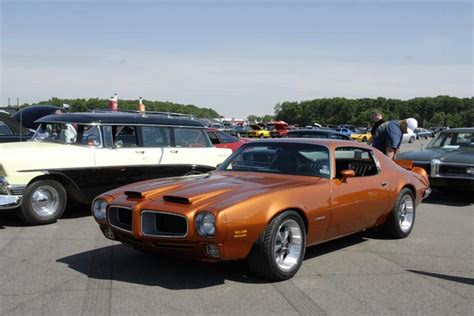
{"type": "Point", "coordinates": [453, 140]}
{"type": "Point", "coordinates": [281, 158]}
{"type": "Point", "coordinates": [65, 133]}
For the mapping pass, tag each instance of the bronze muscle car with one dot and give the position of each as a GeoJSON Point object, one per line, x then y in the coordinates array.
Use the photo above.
{"type": "Point", "coordinates": [266, 203]}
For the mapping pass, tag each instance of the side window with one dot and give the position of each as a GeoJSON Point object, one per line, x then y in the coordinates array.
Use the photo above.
{"type": "Point", "coordinates": [358, 159]}
{"type": "Point", "coordinates": [226, 138]}
{"type": "Point", "coordinates": [4, 129]}
{"type": "Point", "coordinates": [90, 135]}
{"type": "Point", "coordinates": [155, 136]}
{"type": "Point", "coordinates": [214, 139]}
{"type": "Point", "coordinates": [191, 137]}
{"type": "Point", "coordinates": [125, 136]}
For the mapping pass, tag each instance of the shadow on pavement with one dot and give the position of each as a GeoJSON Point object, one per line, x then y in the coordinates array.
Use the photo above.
{"type": "Point", "coordinates": [124, 264]}
{"type": "Point", "coordinates": [450, 198]}
{"type": "Point", "coordinates": [453, 278]}
{"type": "Point", "coordinates": [10, 219]}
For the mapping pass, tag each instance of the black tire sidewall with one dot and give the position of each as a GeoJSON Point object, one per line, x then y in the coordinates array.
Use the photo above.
{"type": "Point", "coordinates": [283, 275]}
{"type": "Point", "coordinates": [26, 210]}
{"type": "Point", "coordinates": [395, 220]}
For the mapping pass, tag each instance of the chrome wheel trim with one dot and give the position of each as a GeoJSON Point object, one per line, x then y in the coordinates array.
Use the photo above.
{"type": "Point", "coordinates": [406, 213]}
{"type": "Point", "coordinates": [45, 201]}
{"type": "Point", "coordinates": [288, 245]}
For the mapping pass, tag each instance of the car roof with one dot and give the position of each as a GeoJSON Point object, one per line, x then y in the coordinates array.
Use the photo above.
{"type": "Point", "coordinates": [118, 118]}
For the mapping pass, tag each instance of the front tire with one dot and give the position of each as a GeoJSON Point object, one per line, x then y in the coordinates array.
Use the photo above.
{"type": "Point", "coordinates": [400, 222]}
{"type": "Point", "coordinates": [279, 251]}
{"type": "Point", "coordinates": [44, 201]}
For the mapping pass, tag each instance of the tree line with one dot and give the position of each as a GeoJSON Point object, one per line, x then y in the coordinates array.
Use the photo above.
{"type": "Point", "coordinates": [429, 111]}
{"type": "Point", "coordinates": [85, 105]}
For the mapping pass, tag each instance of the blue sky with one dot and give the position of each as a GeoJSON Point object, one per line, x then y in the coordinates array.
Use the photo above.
{"type": "Point", "coordinates": [238, 57]}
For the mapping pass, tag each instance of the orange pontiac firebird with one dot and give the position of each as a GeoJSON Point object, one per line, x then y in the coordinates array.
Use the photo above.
{"type": "Point", "coordinates": [267, 202]}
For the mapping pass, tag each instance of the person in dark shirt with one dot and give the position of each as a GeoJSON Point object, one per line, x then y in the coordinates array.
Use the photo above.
{"type": "Point", "coordinates": [378, 120]}
{"type": "Point", "coordinates": [389, 135]}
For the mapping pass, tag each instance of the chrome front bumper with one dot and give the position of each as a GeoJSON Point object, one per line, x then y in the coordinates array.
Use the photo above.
{"type": "Point", "coordinates": [10, 195]}
{"type": "Point", "coordinates": [9, 201]}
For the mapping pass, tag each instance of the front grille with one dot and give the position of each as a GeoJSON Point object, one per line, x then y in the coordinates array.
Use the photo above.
{"type": "Point", "coordinates": [162, 224]}
{"type": "Point", "coordinates": [120, 217]}
{"type": "Point", "coordinates": [455, 170]}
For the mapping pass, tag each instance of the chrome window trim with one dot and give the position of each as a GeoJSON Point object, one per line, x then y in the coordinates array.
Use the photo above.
{"type": "Point", "coordinates": [119, 228]}
{"type": "Point", "coordinates": [163, 236]}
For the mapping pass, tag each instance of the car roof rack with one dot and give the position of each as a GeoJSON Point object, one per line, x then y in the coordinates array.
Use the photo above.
{"type": "Point", "coordinates": [166, 114]}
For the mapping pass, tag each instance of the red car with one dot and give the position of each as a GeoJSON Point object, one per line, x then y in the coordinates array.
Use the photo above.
{"type": "Point", "coordinates": [222, 139]}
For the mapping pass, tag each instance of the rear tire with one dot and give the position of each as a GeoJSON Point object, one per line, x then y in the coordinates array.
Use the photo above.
{"type": "Point", "coordinates": [399, 223]}
{"type": "Point", "coordinates": [279, 251]}
{"type": "Point", "coordinates": [44, 201]}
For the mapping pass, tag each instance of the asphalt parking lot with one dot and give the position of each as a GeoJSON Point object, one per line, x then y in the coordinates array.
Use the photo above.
{"type": "Point", "coordinates": [70, 268]}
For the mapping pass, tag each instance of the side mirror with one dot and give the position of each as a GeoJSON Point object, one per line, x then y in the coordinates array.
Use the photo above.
{"type": "Point", "coordinates": [347, 173]}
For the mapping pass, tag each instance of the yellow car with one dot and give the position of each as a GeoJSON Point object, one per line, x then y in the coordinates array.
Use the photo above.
{"type": "Point", "coordinates": [257, 131]}
{"type": "Point", "coordinates": [361, 137]}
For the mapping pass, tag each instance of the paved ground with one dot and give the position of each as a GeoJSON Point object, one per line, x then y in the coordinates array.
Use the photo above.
{"type": "Point", "coordinates": [70, 268]}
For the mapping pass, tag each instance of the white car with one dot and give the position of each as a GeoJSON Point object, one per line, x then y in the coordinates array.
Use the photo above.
{"type": "Point", "coordinates": [408, 138]}
{"type": "Point", "coordinates": [74, 157]}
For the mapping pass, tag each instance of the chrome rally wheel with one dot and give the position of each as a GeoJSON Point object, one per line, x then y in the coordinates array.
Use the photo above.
{"type": "Point", "coordinates": [406, 213]}
{"type": "Point", "coordinates": [279, 250]}
{"type": "Point", "coordinates": [288, 245]}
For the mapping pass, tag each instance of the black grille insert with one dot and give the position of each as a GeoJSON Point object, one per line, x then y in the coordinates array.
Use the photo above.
{"type": "Point", "coordinates": [164, 224]}
{"type": "Point", "coordinates": [120, 217]}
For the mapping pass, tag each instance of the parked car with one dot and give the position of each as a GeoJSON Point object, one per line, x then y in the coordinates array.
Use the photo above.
{"type": "Point", "coordinates": [222, 139]}
{"type": "Point", "coordinates": [278, 128]}
{"type": "Point", "coordinates": [448, 159]}
{"type": "Point", "coordinates": [11, 130]}
{"type": "Point", "coordinates": [109, 150]}
{"type": "Point", "coordinates": [408, 138]}
{"type": "Point", "coordinates": [344, 130]}
{"type": "Point", "coordinates": [361, 136]}
{"type": "Point", "coordinates": [27, 116]}
{"type": "Point", "coordinates": [255, 130]}
{"type": "Point", "coordinates": [423, 133]}
{"type": "Point", "coordinates": [316, 133]}
{"type": "Point", "coordinates": [266, 203]}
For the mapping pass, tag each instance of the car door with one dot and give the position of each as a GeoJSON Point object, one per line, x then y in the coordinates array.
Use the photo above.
{"type": "Point", "coordinates": [121, 160]}
{"type": "Point", "coordinates": [192, 146]}
{"type": "Point", "coordinates": [357, 202]}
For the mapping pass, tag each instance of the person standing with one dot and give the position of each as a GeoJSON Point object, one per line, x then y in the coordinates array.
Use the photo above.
{"type": "Point", "coordinates": [388, 136]}
{"type": "Point", "coordinates": [378, 120]}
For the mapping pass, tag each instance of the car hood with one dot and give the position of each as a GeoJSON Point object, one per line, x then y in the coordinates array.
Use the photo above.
{"type": "Point", "coordinates": [221, 189]}
{"type": "Point", "coordinates": [459, 155]}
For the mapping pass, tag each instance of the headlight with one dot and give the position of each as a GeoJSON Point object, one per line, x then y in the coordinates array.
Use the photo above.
{"type": "Point", "coordinates": [206, 224]}
{"type": "Point", "coordinates": [470, 170]}
{"type": "Point", "coordinates": [98, 209]}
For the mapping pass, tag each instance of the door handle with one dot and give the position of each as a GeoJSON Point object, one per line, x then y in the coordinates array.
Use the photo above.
{"type": "Point", "coordinates": [174, 151]}
{"type": "Point", "coordinates": [384, 183]}
{"type": "Point", "coordinates": [139, 151]}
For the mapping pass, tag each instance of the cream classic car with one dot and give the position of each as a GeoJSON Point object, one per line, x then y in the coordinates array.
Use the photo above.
{"type": "Point", "coordinates": [73, 157]}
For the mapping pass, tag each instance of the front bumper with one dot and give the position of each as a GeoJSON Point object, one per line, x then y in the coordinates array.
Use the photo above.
{"type": "Point", "coordinates": [9, 201]}
{"type": "Point", "coordinates": [10, 196]}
